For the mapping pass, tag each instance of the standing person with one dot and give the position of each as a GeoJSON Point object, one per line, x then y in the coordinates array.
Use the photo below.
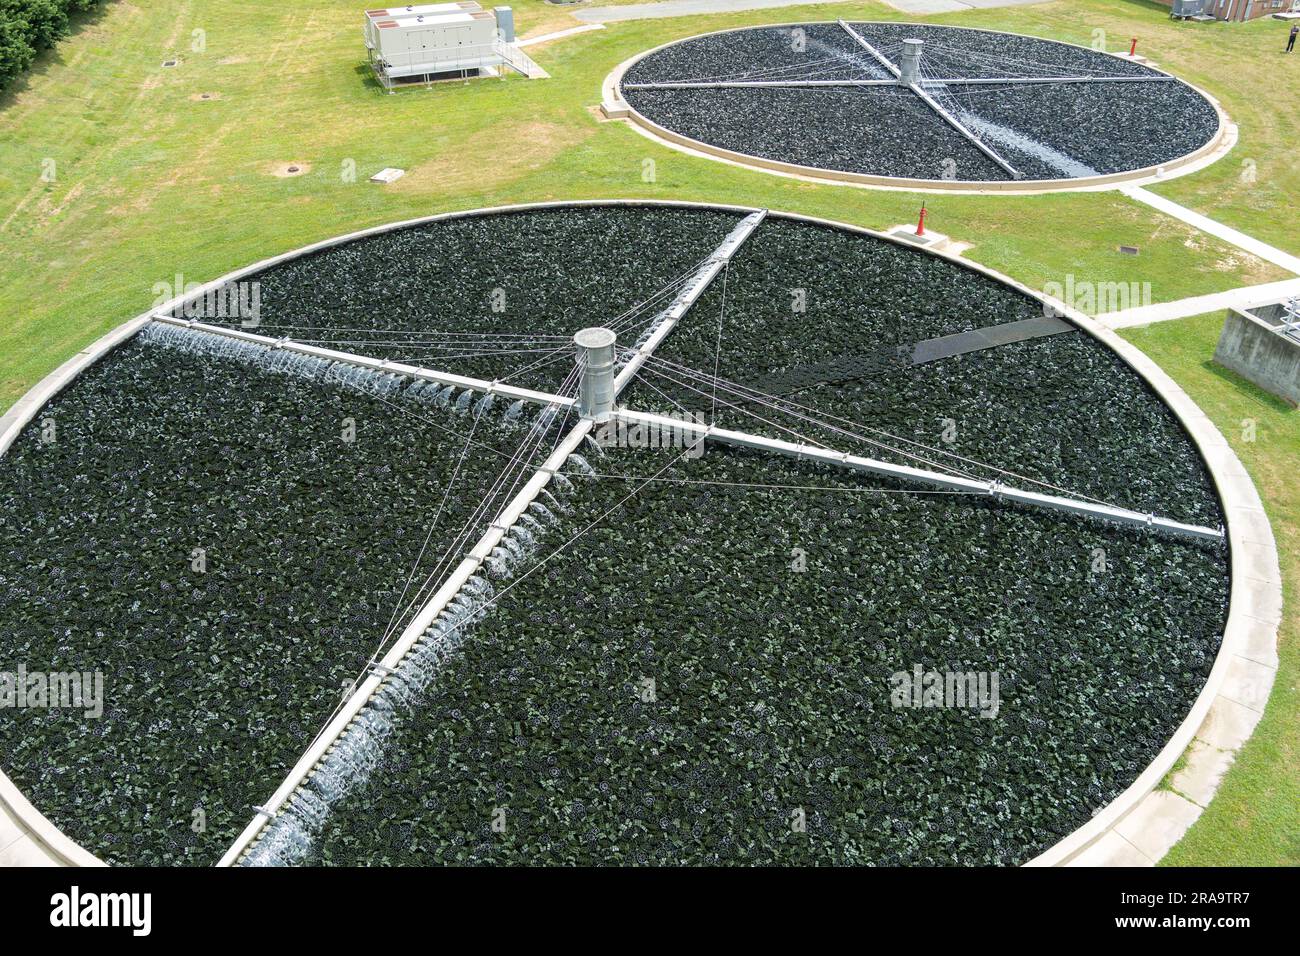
{"type": "Point", "coordinates": [1290, 42]}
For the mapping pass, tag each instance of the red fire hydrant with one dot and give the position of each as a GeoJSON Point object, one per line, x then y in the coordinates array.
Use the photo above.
{"type": "Point", "coordinates": [1132, 50]}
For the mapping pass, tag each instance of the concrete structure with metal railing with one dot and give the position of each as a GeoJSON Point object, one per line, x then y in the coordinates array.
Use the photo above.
{"type": "Point", "coordinates": [1262, 345]}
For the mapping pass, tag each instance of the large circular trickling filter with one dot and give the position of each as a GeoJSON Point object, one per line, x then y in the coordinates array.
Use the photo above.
{"type": "Point", "coordinates": [918, 102]}
{"type": "Point", "coordinates": [678, 652]}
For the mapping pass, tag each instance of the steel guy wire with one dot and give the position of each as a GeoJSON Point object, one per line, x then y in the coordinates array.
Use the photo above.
{"type": "Point", "coordinates": [523, 458]}
{"type": "Point", "coordinates": [703, 379]}
{"type": "Point", "coordinates": [778, 402]}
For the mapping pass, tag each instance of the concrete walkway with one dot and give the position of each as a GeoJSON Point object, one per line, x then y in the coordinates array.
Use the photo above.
{"type": "Point", "coordinates": [1204, 223]}
{"type": "Point", "coordinates": [687, 8]}
{"type": "Point", "coordinates": [680, 8]}
{"type": "Point", "coordinates": [559, 34]}
{"type": "Point", "coordinates": [1243, 298]}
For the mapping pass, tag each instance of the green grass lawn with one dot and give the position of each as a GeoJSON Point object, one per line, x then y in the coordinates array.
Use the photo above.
{"type": "Point", "coordinates": [115, 176]}
{"type": "Point", "coordinates": [151, 180]}
{"type": "Point", "coordinates": [1254, 820]}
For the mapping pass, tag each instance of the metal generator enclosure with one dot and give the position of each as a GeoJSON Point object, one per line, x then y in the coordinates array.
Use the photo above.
{"type": "Point", "coordinates": [402, 13]}
{"type": "Point", "coordinates": [437, 43]}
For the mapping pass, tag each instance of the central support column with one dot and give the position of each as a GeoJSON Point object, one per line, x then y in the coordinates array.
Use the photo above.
{"type": "Point", "coordinates": [596, 367]}
{"type": "Point", "coordinates": [909, 65]}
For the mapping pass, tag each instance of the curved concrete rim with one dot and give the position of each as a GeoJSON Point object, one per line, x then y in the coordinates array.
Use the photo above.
{"type": "Point", "coordinates": [1255, 599]}
{"type": "Point", "coordinates": [1215, 148]}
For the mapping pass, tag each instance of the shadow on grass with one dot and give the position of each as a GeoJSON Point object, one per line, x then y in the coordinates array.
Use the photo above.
{"type": "Point", "coordinates": [371, 82]}
{"type": "Point", "coordinates": [367, 77]}
{"type": "Point", "coordinates": [45, 59]}
{"type": "Point", "coordinates": [1246, 387]}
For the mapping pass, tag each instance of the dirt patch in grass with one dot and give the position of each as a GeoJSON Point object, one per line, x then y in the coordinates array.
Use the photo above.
{"type": "Point", "coordinates": [546, 18]}
{"type": "Point", "coordinates": [1250, 269]}
{"type": "Point", "coordinates": [289, 170]}
{"type": "Point", "coordinates": [177, 28]}
{"type": "Point", "coordinates": [487, 160]}
{"type": "Point", "coordinates": [72, 196]}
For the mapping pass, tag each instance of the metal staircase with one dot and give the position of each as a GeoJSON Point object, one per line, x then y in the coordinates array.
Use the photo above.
{"type": "Point", "coordinates": [518, 60]}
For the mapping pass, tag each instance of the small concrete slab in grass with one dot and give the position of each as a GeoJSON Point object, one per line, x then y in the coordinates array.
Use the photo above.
{"type": "Point", "coordinates": [388, 175]}
{"type": "Point", "coordinates": [1134, 58]}
{"type": "Point", "coordinates": [930, 240]}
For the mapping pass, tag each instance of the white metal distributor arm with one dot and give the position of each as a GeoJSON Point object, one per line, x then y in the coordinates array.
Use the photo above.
{"type": "Point", "coordinates": [369, 362]}
{"type": "Point", "coordinates": [917, 476]}
{"type": "Point", "coordinates": [931, 102]}
{"type": "Point", "coordinates": [695, 286]}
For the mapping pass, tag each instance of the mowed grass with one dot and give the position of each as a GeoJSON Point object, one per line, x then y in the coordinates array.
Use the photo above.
{"type": "Point", "coordinates": [1254, 820]}
{"type": "Point", "coordinates": [150, 181]}
{"type": "Point", "coordinates": [1254, 188]}
{"type": "Point", "coordinates": [116, 176]}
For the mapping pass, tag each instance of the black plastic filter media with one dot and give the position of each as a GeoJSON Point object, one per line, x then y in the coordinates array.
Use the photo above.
{"type": "Point", "coordinates": [1045, 132]}
{"type": "Point", "coordinates": [706, 664]}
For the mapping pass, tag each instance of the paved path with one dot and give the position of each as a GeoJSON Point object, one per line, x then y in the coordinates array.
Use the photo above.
{"type": "Point", "coordinates": [955, 6]}
{"type": "Point", "coordinates": [680, 8]}
{"type": "Point", "coordinates": [548, 37]}
{"type": "Point", "coordinates": [686, 8]}
{"type": "Point", "coordinates": [1242, 298]}
{"type": "Point", "coordinates": [1204, 223]}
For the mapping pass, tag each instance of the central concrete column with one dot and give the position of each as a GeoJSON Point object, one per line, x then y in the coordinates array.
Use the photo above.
{"type": "Point", "coordinates": [909, 66]}
{"type": "Point", "coordinates": [596, 366]}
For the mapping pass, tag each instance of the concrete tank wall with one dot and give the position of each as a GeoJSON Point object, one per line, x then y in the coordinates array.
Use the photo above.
{"type": "Point", "coordinates": [1252, 348]}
